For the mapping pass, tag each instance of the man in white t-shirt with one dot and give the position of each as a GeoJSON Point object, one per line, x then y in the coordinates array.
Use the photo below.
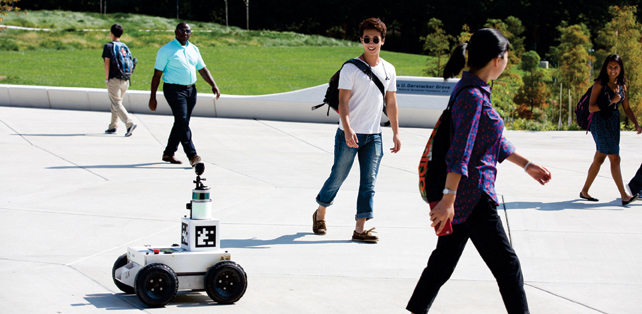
{"type": "Point", "coordinates": [361, 104]}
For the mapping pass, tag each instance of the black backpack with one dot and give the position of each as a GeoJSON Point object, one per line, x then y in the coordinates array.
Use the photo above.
{"type": "Point", "coordinates": [123, 61]}
{"type": "Point", "coordinates": [432, 165]}
{"type": "Point", "coordinates": [332, 93]}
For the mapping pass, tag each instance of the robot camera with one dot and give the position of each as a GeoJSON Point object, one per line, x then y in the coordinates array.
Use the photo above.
{"type": "Point", "coordinates": [199, 168]}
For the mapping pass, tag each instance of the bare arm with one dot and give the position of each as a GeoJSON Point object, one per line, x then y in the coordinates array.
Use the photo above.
{"type": "Point", "coordinates": [107, 63]}
{"type": "Point", "coordinates": [595, 93]}
{"type": "Point", "coordinates": [393, 115]}
{"type": "Point", "coordinates": [539, 173]}
{"type": "Point", "coordinates": [445, 209]}
{"type": "Point", "coordinates": [344, 111]}
{"type": "Point", "coordinates": [207, 76]}
{"type": "Point", "coordinates": [629, 113]}
{"type": "Point", "coordinates": [155, 81]}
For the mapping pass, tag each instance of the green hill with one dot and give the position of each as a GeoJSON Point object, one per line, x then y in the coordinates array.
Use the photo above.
{"type": "Point", "coordinates": [242, 62]}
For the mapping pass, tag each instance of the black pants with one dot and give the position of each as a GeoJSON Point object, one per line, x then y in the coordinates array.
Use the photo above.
{"type": "Point", "coordinates": [485, 230]}
{"type": "Point", "coordinates": [636, 183]}
{"type": "Point", "coordinates": [182, 100]}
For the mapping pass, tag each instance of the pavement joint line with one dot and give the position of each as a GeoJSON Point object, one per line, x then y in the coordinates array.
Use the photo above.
{"type": "Point", "coordinates": [82, 214]}
{"type": "Point", "coordinates": [565, 298]}
{"type": "Point", "coordinates": [51, 153]}
{"type": "Point", "coordinates": [119, 246]}
{"type": "Point", "coordinates": [275, 128]}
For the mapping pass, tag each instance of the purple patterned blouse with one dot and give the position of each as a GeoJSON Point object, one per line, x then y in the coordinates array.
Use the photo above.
{"type": "Point", "coordinates": [477, 144]}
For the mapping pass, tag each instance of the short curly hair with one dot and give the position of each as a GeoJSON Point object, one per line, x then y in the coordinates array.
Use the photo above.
{"type": "Point", "coordinates": [373, 23]}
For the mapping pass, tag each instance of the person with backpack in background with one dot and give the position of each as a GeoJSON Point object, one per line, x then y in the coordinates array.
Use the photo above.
{"type": "Point", "coordinates": [177, 63]}
{"type": "Point", "coordinates": [469, 199]}
{"type": "Point", "coordinates": [117, 80]}
{"type": "Point", "coordinates": [359, 133]}
{"type": "Point", "coordinates": [605, 125]}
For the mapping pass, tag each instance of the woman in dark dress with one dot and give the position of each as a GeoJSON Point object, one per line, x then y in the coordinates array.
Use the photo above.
{"type": "Point", "coordinates": [609, 91]}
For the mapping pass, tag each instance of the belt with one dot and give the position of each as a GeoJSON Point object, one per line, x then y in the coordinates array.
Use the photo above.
{"type": "Point", "coordinates": [185, 86]}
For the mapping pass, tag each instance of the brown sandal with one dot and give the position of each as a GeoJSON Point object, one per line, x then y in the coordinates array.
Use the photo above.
{"type": "Point", "coordinates": [318, 226]}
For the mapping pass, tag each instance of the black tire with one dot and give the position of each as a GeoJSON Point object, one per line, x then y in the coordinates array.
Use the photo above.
{"type": "Point", "coordinates": [225, 282]}
{"type": "Point", "coordinates": [120, 262]}
{"type": "Point", "coordinates": [156, 285]}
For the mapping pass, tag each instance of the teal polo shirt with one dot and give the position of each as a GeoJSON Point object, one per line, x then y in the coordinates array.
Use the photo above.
{"type": "Point", "coordinates": [179, 63]}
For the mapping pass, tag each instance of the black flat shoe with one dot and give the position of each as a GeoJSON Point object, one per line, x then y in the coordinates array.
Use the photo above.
{"type": "Point", "coordinates": [591, 199]}
{"type": "Point", "coordinates": [633, 199]}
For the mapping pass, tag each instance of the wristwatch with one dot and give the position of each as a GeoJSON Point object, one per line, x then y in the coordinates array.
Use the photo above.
{"type": "Point", "coordinates": [447, 191]}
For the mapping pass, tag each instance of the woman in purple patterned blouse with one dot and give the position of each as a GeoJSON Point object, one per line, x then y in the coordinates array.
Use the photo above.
{"type": "Point", "coordinates": [469, 200]}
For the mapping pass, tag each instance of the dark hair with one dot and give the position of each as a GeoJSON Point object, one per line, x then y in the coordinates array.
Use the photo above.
{"type": "Point", "coordinates": [373, 23]}
{"type": "Point", "coordinates": [117, 30]}
{"type": "Point", "coordinates": [604, 76]}
{"type": "Point", "coordinates": [484, 45]}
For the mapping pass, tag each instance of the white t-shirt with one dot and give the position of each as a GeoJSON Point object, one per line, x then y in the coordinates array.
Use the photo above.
{"type": "Point", "coordinates": [366, 101]}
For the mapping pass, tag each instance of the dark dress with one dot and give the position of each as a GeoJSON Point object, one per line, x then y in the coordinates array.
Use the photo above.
{"type": "Point", "coordinates": [605, 126]}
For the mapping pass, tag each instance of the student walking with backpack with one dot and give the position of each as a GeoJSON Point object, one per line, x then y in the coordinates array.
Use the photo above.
{"type": "Point", "coordinates": [118, 68]}
{"type": "Point", "coordinates": [359, 133]}
{"type": "Point", "coordinates": [469, 200]}
{"type": "Point", "coordinates": [608, 91]}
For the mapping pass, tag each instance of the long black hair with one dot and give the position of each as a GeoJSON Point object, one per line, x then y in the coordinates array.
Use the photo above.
{"type": "Point", "coordinates": [604, 76]}
{"type": "Point", "coordinates": [484, 45]}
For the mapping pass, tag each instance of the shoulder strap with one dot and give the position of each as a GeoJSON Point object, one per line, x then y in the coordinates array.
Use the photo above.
{"type": "Point", "coordinates": [366, 69]}
{"type": "Point", "coordinates": [451, 102]}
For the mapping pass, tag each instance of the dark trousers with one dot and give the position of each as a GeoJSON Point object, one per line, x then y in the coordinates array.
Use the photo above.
{"type": "Point", "coordinates": [636, 183]}
{"type": "Point", "coordinates": [485, 230]}
{"type": "Point", "coordinates": [182, 100]}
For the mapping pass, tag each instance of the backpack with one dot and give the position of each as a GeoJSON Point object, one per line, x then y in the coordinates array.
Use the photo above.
{"type": "Point", "coordinates": [432, 165]}
{"type": "Point", "coordinates": [582, 114]}
{"type": "Point", "coordinates": [123, 61]}
{"type": "Point", "coordinates": [332, 93]}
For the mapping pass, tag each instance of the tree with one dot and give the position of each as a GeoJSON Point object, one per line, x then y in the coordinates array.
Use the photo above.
{"type": "Point", "coordinates": [437, 44]}
{"type": "Point", "coordinates": [464, 35]}
{"type": "Point", "coordinates": [511, 27]}
{"type": "Point", "coordinates": [7, 5]}
{"type": "Point", "coordinates": [534, 92]}
{"type": "Point", "coordinates": [622, 36]}
{"type": "Point", "coordinates": [572, 57]}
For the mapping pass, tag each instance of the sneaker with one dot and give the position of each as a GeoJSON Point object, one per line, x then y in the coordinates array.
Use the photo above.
{"type": "Point", "coordinates": [194, 160]}
{"type": "Point", "coordinates": [110, 131]}
{"type": "Point", "coordinates": [130, 130]}
{"type": "Point", "coordinates": [365, 236]}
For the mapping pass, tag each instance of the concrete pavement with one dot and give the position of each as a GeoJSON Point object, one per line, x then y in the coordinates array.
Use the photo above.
{"type": "Point", "coordinates": [72, 199]}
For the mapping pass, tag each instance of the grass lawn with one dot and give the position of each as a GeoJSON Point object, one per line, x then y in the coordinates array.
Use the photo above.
{"type": "Point", "coordinates": [237, 70]}
{"type": "Point", "coordinates": [242, 62]}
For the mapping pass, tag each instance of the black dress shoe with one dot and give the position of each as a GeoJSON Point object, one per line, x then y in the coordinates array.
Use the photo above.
{"type": "Point", "coordinates": [633, 199]}
{"type": "Point", "coordinates": [590, 198]}
{"type": "Point", "coordinates": [171, 159]}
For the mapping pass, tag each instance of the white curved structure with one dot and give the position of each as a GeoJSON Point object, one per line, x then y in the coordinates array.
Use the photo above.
{"type": "Point", "coordinates": [421, 100]}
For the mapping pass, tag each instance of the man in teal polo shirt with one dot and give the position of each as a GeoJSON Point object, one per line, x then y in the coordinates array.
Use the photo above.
{"type": "Point", "coordinates": [177, 63]}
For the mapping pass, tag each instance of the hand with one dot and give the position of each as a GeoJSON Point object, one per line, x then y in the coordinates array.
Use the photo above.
{"type": "Point", "coordinates": [615, 99]}
{"type": "Point", "coordinates": [443, 212]}
{"type": "Point", "coordinates": [397, 144]}
{"type": "Point", "coordinates": [539, 173]}
{"type": "Point", "coordinates": [152, 104]}
{"type": "Point", "coordinates": [216, 91]}
{"type": "Point", "coordinates": [351, 138]}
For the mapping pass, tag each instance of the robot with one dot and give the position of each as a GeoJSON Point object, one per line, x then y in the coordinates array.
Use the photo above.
{"type": "Point", "coordinates": [156, 273]}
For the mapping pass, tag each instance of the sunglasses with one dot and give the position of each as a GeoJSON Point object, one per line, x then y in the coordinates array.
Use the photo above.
{"type": "Point", "coordinates": [185, 30]}
{"type": "Point", "coordinates": [366, 40]}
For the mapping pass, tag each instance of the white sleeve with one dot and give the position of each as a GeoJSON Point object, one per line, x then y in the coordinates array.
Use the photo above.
{"type": "Point", "coordinates": [346, 76]}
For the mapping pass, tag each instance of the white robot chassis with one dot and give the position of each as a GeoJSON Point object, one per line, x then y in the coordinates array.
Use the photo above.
{"type": "Point", "coordinates": [156, 273]}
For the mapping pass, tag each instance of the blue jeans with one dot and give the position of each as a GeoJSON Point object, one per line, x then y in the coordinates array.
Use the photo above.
{"type": "Point", "coordinates": [370, 152]}
{"type": "Point", "coordinates": [182, 100]}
